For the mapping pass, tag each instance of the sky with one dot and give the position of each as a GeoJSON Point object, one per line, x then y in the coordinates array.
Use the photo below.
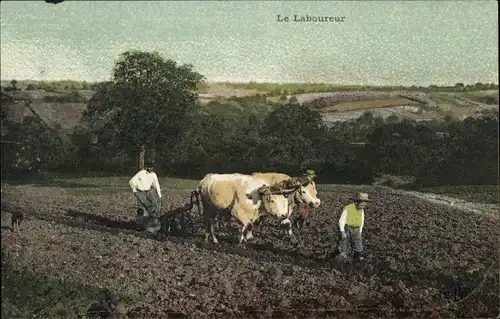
{"type": "Point", "coordinates": [378, 42]}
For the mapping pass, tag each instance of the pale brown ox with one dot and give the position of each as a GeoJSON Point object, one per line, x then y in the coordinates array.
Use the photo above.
{"type": "Point", "coordinates": [241, 196]}
{"type": "Point", "coordinates": [305, 195]}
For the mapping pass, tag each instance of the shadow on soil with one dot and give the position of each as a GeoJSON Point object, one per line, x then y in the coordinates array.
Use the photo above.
{"type": "Point", "coordinates": [25, 294]}
{"type": "Point", "coordinates": [103, 221]}
{"type": "Point", "coordinates": [66, 299]}
{"type": "Point", "coordinates": [256, 250]}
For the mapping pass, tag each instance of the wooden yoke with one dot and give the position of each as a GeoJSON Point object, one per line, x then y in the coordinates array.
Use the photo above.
{"type": "Point", "coordinates": [283, 188]}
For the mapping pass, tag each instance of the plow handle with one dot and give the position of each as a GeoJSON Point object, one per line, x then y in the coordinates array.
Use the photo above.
{"type": "Point", "coordinates": [197, 201]}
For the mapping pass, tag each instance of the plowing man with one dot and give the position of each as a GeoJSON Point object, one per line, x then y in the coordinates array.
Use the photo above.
{"type": "Point", "coordinates": [351, 224]}
{"type": "Point", "coordinates": [141, 185]}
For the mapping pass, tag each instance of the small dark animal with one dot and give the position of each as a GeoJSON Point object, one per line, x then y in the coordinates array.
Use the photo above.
{"type": "Point", "coordinates": [16, 220]}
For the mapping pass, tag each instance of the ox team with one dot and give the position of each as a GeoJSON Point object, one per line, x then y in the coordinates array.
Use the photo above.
{"type": "Point", "coordinates": [239, 196]}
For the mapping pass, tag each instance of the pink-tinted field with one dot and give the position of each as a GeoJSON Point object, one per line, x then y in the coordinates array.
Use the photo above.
{"type": "Point", "coordinates": [422, 259]}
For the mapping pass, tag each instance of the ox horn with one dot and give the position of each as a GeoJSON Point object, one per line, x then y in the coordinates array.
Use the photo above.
{"type": "Point", "coordinates": [302, 180]}
{"type": "Point", "coordinates": [288, 191]}
{"type": "Point", "coordinates": [286, 187]}
{"type": "Point", "coordinates": [283, 188]}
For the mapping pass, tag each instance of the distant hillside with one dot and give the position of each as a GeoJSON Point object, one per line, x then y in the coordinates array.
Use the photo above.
{"type": "Point", "coordinates": [65, 107]}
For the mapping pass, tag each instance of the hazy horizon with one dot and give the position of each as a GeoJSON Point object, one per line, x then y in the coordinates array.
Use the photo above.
{"type": "Point", "coordinates": [379, 43]}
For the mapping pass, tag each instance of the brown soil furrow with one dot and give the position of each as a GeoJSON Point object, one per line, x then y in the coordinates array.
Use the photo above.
{"type": "Point", "coordinates": [420, 257]}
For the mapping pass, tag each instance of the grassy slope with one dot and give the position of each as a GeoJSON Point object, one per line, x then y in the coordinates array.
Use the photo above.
{"type": "Point", "coordinates": [235, 109]}
{"type": "Point", "coordinates": [85, 186]}
{"type": "Point", "coordinates": [447, 105]}
{"type": "Point", "coordinates": [487, 194]}
{"type": "Point", "coordinates": [369, 104]}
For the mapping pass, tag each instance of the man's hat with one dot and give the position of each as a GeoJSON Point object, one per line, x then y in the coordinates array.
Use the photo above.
{"type": "Point", "coordinates": [362, 197]}
{"type": "Point", "coordinates": [310, 173]}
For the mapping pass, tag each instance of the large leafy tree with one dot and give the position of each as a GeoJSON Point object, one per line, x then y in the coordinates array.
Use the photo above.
{"type": "Point", "coordinates": [293, 135]}
{"type": "Point", "coordinates": [149, 102]}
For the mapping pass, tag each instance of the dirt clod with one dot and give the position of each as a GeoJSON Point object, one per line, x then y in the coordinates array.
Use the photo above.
{"type": "Point", "coordinates": [413, 259]}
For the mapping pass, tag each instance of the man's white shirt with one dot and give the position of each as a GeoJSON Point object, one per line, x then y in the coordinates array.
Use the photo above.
{"type": "Point", "coordinates": [144, 180]}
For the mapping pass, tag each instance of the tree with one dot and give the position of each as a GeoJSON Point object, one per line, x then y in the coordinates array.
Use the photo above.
{"type": "Point", "coordinates": [459, 87]}
{"type": "Point", "coordinates": [397, 148]}
{"type": "Point", "coordinates": [149, 102]}
{"type": "Point", "coordinates": [292, 135]}
{"type": "Point", "coordinates": [36, 146]}
{"type": "Point", "coordinates": [392, 119]}
{"type": "Point", "coordinates": [14, 84]}
{"type": "Point", "coordinates": [204, 147]}
{"type": "Point", "coordinates": [363, 125]}
{"type": "Point", "coordinates": [433, 88]}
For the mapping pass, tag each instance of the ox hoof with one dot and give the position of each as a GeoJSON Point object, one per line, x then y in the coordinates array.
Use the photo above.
{"type": "Point", "coordinates": [249, 236]}
{"type": "Point", "coordinates": [161, 236]}
{"type": "Point", "coordinates": [215, 242]}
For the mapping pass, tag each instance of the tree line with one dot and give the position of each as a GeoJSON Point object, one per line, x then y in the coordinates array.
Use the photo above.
{"type": "Point", "coordinates": [272, 89]}
{"type": "Point", "coordinates": [151, 102]}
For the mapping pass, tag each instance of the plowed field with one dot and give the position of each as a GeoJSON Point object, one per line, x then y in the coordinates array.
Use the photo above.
{"type": "Point", "coordinates": [422, 260]}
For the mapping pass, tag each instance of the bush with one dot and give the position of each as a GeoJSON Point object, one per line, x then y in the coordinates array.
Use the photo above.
{"type": "Point", "coordinates": [35, 147]}
{"type": "Point", "coordinates": [289, 139]}
{"type": "Point", "coordinates": [293, 100]}
{"type": "Point", "coordinates": [72, 97]}
{"type": "Point", "coordinates": [133, 110]}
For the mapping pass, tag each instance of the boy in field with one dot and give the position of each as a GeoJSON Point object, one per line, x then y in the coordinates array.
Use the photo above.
{"type": "Point", "coordinates": [351, 225]}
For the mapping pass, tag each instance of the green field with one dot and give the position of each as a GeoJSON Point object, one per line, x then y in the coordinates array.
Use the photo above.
{"type": "Point", "coordinates": [368, 104]}
{"type": "Point", "coordinates": [235, 109]}
{"type": "Point", "coordinates": [88, 186]}
{"type": "Point", "coordinates": [272, 88]}
{"type": "Point", "coordinates": [241, 100]}
{"type": "Point", "coordinates": [85, 186]}
{"type": "Point", "coordinates": [486, 194]}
